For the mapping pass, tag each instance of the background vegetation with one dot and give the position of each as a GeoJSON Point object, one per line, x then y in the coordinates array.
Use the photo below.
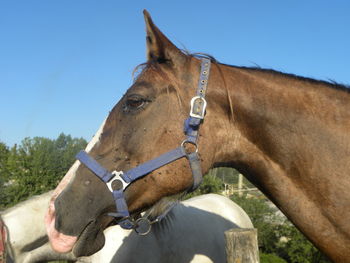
{"type": "Point", "coordinates": [279, 241]}
{"type": "Point", "coordinates": [37, 165]}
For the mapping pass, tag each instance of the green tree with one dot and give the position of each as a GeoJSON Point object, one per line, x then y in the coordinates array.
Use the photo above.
{"type": "Point", "coordinates": [210, 184]}
{"type": "Point", "coordinates": [4, 153]}
{"type": "Point", "coordinates": [227, 175]}
{"type": "Point", "coordinates": [297, 249]}
{"type": "Point", "coordinates": [13, 169]}
{"type": "Point", "coordinates": [277, 235]}
{"type": "Point", "coordinates": [271, 258]}
{"type": "Point", "coordinates": [37, 165]}
{"type": "Point", "coordinates": [264, 218]}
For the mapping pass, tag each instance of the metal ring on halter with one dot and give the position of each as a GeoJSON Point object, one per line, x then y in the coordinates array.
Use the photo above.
{"type": "Point", "coordinates": [141, 223]}
{"type": "Point", "coordinates": [190, 142]}
{"type": "Point", "coordinates": [117, 176]}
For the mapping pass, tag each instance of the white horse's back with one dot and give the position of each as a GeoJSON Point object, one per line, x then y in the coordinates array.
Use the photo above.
{"type": "Point", "coordinates": [222, 206]}
{"type": "Point", "coordinates": [192, 232]}
{"type": "Point", "coordinates": [25, 225]}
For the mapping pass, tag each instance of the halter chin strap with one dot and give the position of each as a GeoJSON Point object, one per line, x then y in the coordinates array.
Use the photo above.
{"type": "Point", "coordinates": [118, 181]}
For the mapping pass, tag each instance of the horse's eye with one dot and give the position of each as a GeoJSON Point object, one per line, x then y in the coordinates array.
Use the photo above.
{"type": "Point", "coordinates": [134, 103]}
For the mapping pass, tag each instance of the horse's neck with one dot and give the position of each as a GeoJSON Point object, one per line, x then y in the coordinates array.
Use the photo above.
{"type": "Point", "coordinates": [291, 140]}
{"type": "Point", "coordinates": [315, 118]}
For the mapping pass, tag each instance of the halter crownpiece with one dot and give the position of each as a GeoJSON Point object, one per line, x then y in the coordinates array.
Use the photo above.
{"type": "Point", "coordinates": [117, 182]}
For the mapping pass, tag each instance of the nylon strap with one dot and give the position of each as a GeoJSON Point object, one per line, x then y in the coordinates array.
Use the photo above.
{"type": "Point", "coordinates": [203, 79]}
{"type": "Point", "coordinates": [134, 173]}
{"type": "Point", "coordinates": [196, 168]}
{"type": "Point", "coordinates": [94, 166]}
{"type": "Point", "coordinates": [192, 124]}
{"type": "Point", "coordinates": [198, 104]}
{"type": "Point", "coordinates": [122, 209]}
{"type": "Point", "coordinates": [153, 164]}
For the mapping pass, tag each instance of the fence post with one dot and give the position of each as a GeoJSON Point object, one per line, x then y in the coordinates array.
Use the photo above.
{"type": "Point", "coordinates": [242, 245]}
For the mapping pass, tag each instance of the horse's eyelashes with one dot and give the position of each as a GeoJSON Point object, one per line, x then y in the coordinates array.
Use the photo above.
{"type": "Point", "coordinates": [134, 102]}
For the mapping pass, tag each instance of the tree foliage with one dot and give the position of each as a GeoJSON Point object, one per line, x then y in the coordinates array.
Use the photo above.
{"type": "Point", "coordinates": [277, 237]}
{"type": "Point", "coordinates": [210, 184]}
{"type": "Point", "coordinates": [297, 248]}
{"type": "Point", "coordinates": [35, 166]}
{"type": "Point", "coordinates": [264, 218]}
{"type": "Point", "coordinates": [279, 240]}
{"type": "Point", "coordinates": [271, 258]}
{"type": "Point", "coordinates": [4, 153]}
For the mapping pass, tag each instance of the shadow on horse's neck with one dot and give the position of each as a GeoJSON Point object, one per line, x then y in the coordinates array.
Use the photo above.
{"type": "Point", "coordinates": [289, 136]}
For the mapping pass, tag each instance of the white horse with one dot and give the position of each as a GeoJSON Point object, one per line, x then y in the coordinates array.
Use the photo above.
{"type": "Point", "coordinates": [193, 231]}
{"type": "Point", "coordinates": [26, 234]}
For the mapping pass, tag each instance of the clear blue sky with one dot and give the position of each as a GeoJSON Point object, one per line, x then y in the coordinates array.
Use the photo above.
{"type": "Point", "coordinates": [64, 63]}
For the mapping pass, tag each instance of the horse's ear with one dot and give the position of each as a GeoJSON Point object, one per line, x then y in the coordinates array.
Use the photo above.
{"type": "Point", "coordinates": [159, 47]}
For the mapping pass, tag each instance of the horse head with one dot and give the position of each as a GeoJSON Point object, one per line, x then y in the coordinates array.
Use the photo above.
{"type": "Point", "coordinates": [146, 122]}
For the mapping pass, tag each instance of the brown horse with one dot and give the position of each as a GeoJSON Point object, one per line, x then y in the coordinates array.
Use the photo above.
{"type": "Point", "coordinates": [288, 135]}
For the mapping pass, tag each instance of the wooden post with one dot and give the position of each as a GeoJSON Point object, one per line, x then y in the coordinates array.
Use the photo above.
{"type": "Point", "coordinates": [240, 185]}
{"type": "Point", "coordinates": [242, 245]}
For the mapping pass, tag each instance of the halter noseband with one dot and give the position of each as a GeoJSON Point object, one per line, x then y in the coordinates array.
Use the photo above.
{"type": "Point", "coordinates": [117, 182]}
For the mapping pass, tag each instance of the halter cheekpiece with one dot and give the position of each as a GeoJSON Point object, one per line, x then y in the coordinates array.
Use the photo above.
{"type": "Point", "coordinates": [117, 181]}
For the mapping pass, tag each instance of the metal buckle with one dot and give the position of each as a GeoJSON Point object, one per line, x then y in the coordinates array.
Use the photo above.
{"type": "Point", "coordinates": [143, 226]}
{"type": "Point", "coordinates": [198, 106]}
{"type": "Point", "coordinates": [117, 176]}
{"type": "Point", "coordinates": [189, 142]}
{"type": "Point", "coordinates": [127, 223]}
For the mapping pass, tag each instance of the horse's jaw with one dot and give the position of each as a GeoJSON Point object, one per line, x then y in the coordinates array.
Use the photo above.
{"type": "Point", "coordinates": [90, 240]}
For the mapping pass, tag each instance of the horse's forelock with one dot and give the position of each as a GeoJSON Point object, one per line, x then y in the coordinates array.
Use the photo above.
{"type": "Point", "coordinates": [152, 69]}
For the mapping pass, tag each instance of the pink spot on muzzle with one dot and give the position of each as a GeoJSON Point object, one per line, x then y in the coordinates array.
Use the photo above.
{"type": "Point", "coordinates": [59, 242]}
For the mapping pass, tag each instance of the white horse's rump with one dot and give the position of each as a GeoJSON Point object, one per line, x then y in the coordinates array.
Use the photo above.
{"type": "Point", "coordinates": [192, 232]}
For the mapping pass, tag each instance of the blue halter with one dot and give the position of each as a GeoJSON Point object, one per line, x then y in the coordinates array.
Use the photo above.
{"type": "Point", "coordinates": [118, 181]}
